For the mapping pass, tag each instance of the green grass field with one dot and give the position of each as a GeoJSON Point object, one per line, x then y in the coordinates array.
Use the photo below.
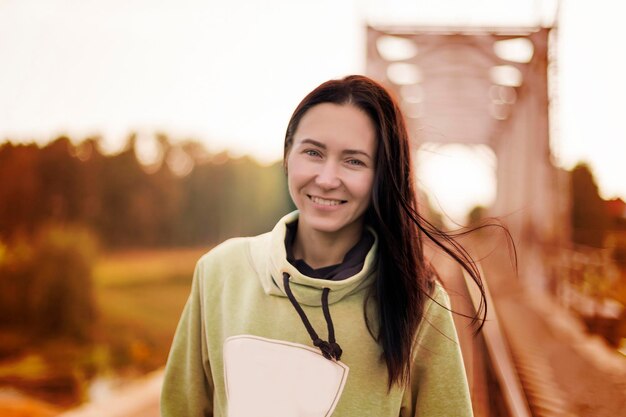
{"type": "Point", "coordinates": [140, 295]}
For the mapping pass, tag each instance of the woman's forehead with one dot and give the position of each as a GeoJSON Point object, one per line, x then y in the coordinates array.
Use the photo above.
{"type": "Point", "coordinates": [334, 124]}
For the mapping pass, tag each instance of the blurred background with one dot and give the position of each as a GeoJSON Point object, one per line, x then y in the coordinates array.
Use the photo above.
{"type": "Point", "coordinates": [135, 135]}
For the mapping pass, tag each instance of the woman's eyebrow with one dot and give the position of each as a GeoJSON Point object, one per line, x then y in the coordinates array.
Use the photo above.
{"type": "Point", "coordinates": [356, 152]}
{"type": "Point", "coordinates": [314, 142]}
{"type": "Point", "coordinates": [347, 151]}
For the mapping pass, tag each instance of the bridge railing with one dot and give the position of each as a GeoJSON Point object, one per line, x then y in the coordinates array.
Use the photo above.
{"type": "Point", "coordinates": [498, 360]}
{"type": "Point", "coordinates": [494, 383]}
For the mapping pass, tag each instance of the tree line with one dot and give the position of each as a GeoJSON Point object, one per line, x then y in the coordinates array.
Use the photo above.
{"type": "Point", "coordinates": [128, 204]}
{"type": "Point", "coordinates": [62, 202]}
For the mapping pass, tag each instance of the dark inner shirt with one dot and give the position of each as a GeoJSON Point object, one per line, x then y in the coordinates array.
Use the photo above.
{"type": "Point", "coordinates": [352, 262]}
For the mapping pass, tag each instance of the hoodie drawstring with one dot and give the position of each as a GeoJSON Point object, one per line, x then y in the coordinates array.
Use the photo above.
{"type": "Point", "coordinates": [331, 349]}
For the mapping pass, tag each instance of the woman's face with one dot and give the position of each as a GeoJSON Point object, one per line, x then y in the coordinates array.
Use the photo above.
{"type": "Point", "coordinates": [331, 166]}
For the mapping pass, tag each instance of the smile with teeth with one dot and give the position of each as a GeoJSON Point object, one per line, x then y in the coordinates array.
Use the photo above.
{"type": "Point", "coordinates": [325, 202]}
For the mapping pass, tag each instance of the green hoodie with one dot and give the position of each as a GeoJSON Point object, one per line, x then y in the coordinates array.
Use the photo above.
{"type": "Point", "coordinates": [241, 349]}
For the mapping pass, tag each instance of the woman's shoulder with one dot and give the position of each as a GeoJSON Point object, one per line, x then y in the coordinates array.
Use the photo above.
{"type": "Point", "coordinates": [437, 317]}
{"type": "Point", "coordinates": [438, 296]}
{"type": "Point", "coordinates": [232, 246]}
{"type": "Point", "coordinates": [232, 251]}
{"type": "Point", "coordinates": [437, 305]}
{"type": "Point", "coordinates": [227, 265]}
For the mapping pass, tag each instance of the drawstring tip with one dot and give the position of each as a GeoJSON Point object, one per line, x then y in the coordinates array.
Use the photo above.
{"type": "Point", "coordinates": [336, 350]}
{"type": "Point", "coordinates": [331, 351]}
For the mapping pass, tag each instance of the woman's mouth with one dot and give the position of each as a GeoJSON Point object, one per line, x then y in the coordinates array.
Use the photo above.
{"type": "Point", "coordinates": [325, 201]}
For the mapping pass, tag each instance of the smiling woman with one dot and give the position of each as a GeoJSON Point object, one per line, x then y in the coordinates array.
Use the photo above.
{"type": "Point", "coordinates": [331, 172]}
{"type": "Point", "coordinates": [248, 343]}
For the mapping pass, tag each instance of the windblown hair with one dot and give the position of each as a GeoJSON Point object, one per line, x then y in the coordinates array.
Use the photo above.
{"type": "Point", "coordinates": [405, 280]}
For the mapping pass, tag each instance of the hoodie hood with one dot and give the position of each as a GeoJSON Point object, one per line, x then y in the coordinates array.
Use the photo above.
{"type": "Point", "coordinates": [306, 289]}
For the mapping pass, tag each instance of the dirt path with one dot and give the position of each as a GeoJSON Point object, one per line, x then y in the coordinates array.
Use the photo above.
{"type": "Point", "coordinates": [141, 399]}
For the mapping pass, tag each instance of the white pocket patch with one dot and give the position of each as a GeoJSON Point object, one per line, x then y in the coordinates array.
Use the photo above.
{"type": "Point", "coordinates": [273, 378]}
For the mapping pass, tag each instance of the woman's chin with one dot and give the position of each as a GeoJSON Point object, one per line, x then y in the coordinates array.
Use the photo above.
{"type": "Point", "coordinates": [328, 225]}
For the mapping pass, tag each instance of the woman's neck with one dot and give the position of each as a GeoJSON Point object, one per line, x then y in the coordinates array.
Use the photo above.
{"type": "Point", "coordinates": [319, 249]}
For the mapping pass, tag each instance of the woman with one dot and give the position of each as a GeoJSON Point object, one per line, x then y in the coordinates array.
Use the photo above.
{"type": "Point", "coordinates": [335, 311]}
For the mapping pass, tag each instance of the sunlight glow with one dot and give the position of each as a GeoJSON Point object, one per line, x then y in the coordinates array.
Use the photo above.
{"type": "Point", "coordinates": [217, 73]}
{"type": "Point", "coordinates": [457, 178]}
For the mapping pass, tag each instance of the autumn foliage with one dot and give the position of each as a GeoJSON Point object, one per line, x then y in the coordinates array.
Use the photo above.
{"type": "Point", "coordinates": [62, 201]}
{"type": "Point", "coordinates": [127, 204]}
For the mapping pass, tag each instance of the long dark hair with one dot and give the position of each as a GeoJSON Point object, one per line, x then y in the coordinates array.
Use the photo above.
{"type": "Point", "coordinates": [405, 280]}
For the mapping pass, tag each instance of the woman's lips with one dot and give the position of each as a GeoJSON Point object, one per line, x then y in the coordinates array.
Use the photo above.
{"type": "Point", "coordinates": [326, 201]}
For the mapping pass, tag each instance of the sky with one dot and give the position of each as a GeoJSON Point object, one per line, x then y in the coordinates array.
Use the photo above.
{"type": "Point", "coordinates": [229, 73]}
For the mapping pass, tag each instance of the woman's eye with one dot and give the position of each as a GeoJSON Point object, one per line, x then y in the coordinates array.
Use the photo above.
{"type": "Point", "coordinates": [312, 152]}
{"type": "Point", "coordinates": [356, 162]}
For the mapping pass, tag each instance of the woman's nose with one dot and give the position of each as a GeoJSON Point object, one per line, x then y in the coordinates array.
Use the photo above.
{"type": "Point", "coordinates": [328, 176]}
